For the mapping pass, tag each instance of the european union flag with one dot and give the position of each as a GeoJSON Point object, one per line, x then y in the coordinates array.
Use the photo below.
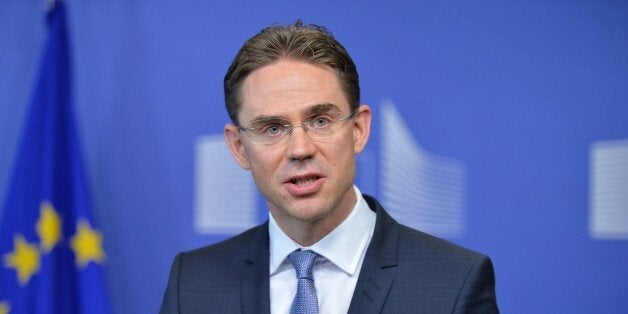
{"type": "Point", "coordinates": [51, 254]}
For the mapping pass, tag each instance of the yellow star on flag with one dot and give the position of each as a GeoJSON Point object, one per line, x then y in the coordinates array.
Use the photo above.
{"type": "Point", "coordinates": [87, 245]}
{"type": "Point", "coordinates": [5, 307]}
{"type": "Point", "coordinates": [48, 227]}
{"type": "Point", "coordinates": [25, 259]}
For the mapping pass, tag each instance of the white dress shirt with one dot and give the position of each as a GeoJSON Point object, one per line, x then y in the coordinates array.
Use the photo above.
{"type": "Point", "coordinates": [335, 276]}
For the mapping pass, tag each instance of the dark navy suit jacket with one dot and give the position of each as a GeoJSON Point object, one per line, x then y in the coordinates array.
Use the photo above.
{"type": "Point", "coordinates": [404, 271]}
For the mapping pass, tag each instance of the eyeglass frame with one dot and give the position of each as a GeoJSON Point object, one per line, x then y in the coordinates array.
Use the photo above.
{"type": "Point", "coordinates": [289, 127]}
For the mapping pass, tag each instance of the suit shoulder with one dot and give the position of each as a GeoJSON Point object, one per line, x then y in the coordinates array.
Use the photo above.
{"type": "Point", "coordinates": [452, 278]}
{"type": "Point", "coordinates": [225, 251]}
{"type": "Point", "coordinates": [208, 279]}
{"type": "Point", "coordinates": [416, 242]}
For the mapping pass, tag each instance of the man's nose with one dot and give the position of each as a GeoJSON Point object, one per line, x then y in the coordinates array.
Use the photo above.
{"type": "Point", "coordinates": [300, 145]}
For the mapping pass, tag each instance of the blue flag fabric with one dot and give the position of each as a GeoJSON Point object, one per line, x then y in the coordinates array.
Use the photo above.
{"type": "Point", "coordinates": [51, 254]}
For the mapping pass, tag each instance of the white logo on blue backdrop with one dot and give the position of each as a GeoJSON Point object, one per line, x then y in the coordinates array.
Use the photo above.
{"type": "Point", "coordinates": [420, 189]}
{"type": "Point", "coordinates": [225, 195]}
{"type": "Point", "coordinates": [608, 190]}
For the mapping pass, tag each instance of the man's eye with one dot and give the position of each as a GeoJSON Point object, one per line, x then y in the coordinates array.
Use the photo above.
{"type": "Point", "coordinates": [320, 122]}
{"type": "Point", "coordinates": [272, 129]}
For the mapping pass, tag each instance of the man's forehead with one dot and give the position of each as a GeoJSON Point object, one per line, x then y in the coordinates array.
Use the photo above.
{"type": "Point", "coordinates": [291, 81]}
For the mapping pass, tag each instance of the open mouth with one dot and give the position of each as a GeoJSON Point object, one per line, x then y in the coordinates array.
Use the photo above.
{"type": "Point", "coordinates": [305, 184]}
{"type": "Point", "coordinates": [304, 181]}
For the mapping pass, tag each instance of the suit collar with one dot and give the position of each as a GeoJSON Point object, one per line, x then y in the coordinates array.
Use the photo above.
{"type": "Point", "coordinates": [254, 281]}
{"type": "Point", "coordinates": [374, 282]}
{"type": "Point", "coordinates": [385, 243]}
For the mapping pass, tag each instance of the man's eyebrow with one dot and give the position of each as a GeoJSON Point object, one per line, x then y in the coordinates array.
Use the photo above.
{"type": "Point", "coordinates": [311, 110]}
{"type": "Point", "coordinates": [321, 108]}
{"type": "Point", "coordinates": [263, 118]}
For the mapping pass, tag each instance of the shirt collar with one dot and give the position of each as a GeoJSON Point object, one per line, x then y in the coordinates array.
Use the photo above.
{"type": "Point", "coordinates": [339, 246]}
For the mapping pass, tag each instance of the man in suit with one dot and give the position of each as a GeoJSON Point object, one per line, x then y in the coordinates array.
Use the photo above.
{"type": "Point", "coordinates": [293, 96]}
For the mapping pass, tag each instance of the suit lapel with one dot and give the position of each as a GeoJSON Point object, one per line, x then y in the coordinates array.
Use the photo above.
{"type": "Point", "coordinates": [254, 282]}
{"type": "Point", "coordinates": [372, 289]}
{"type": "Point", "coordinates": [374, 282]}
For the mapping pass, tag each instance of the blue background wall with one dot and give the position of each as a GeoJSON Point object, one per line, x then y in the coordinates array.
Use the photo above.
{"type": "Point", "coordinates": [518, 91]}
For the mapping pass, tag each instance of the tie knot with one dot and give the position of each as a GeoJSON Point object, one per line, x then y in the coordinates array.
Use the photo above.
{"type": "Point", "coordinates": [302, 261]}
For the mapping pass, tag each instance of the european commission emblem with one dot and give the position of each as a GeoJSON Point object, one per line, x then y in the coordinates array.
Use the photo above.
{"type": "Point", "coordinates": [51, 254]}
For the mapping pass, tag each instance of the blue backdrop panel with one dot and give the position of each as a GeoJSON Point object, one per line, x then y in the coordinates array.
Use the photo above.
{"type": "Point", "coordinates": [513, 93]}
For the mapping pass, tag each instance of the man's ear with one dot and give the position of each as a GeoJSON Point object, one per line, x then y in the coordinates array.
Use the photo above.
{"type": "Point", "coordinates": [236, 146]}
{"type": "Point", "coordinates": [361, 128]}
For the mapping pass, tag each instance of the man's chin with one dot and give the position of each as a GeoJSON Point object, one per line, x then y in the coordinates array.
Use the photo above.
{"type": "Point", "coordinates": [306, 210]}
{"type": "Point", "coordinates": [308, 214]}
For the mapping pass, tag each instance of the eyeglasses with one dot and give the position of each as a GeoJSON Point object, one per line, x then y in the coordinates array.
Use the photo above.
{"type": "Point", "coordinates": [272, 130]}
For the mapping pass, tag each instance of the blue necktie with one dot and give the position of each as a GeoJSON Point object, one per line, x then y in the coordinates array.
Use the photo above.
{"type": "Point", "coordinates": [305, 301]}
